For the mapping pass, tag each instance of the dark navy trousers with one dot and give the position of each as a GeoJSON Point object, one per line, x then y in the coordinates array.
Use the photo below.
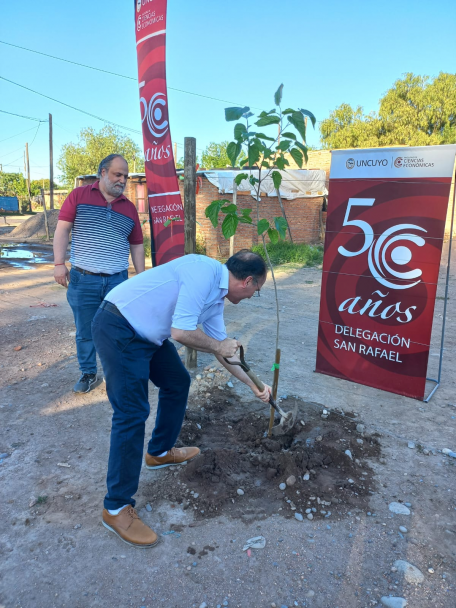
{"type": "Point", "coordinates": [129, 362]}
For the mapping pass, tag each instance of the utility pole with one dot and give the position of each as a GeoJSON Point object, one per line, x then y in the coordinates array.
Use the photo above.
{"type": "Point", "coordinates": [190, 218]}
{"type": "Point", "coordinates": [28, 176]}
{"type": "Point", "coordinates": [51, 166]}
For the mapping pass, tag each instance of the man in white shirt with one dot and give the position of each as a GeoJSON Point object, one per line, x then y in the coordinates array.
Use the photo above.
{"type": "Point", "coordinates": [131, 331]}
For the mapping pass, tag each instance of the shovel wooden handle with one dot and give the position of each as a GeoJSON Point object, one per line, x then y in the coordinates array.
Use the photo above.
{"type": "Point", "coordinates": [260, 386]}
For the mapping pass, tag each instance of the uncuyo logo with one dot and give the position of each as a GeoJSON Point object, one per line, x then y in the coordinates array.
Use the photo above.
{"type": "Point", "coordinates": [350, 163]}
{"type": "Point", "coordinates": [155, 115]}
{"type": "Point", "coordinates": [398, 162]}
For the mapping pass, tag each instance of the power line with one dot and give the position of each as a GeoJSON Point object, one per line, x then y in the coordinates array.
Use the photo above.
{"type": "Point", "coordinates": [90, 67]}
{"type": "Point", "coordinates": [69, 106]}
{"type": "Point", "coordinates": [21, 116]}
{"type": "Point", "coordinates": [17, 135]}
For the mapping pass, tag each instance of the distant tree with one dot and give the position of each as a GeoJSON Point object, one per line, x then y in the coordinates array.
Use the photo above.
{"type": "Point", "coordinates": [13, 183]}
{"type": "Point", "coordinates": [215, 156]}
{"type": "Point", "coordinates": [83, 157]}
{"type": "Point", "coordinates": [37, 184]}
{"type": "Point", "coordinates": [416, 111]}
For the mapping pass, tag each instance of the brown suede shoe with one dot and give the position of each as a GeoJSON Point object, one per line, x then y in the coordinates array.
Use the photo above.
{"type": "Point", "coordinates": [130, 528]}
{"type": "Point", "coordinates": [173, 457]}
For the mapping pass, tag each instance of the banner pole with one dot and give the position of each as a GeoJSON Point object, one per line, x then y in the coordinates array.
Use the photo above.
{"type": "Point", "coordinates": [439, 377]}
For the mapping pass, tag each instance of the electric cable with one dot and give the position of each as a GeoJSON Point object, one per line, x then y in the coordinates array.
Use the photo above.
{"type": "Point", "coordinates": [21, 116]}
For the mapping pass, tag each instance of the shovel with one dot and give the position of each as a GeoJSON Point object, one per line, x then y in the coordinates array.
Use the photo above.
{"type": "Point", "coordinates": [287, 419]}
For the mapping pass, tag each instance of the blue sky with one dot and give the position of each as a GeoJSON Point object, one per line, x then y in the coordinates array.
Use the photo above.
{"type": "Point", "coordinates": [325, 53]}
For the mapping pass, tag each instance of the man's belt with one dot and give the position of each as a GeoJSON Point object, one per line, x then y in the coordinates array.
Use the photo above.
{"type": "Point", "coordinates": [96, 274]}
{"type": "Point", "coordinates": [110, 307]}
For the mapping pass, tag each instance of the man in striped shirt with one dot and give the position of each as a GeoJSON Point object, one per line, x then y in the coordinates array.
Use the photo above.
{"type": "Point", "coordinates": [105, 229]}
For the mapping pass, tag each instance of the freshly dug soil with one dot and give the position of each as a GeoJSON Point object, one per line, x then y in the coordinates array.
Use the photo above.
{"type": "Point", "coordinates": [34, 227]}
{"type": "Point", "coordinates": [236, 454]}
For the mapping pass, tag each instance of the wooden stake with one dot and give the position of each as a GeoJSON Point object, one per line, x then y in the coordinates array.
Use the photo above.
{"type": "Point", "coordinates": [190, 219]}
{"type": "Point", "coordinates": [275, 386]}
{"type": "Point", "coordinates": [51, 165]}
{"type": "Point", "coordinates": [46, 223]}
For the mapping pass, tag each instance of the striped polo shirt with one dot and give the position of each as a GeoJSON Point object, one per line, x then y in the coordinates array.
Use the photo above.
{"type": "Point", "coordinates": [100, 240]}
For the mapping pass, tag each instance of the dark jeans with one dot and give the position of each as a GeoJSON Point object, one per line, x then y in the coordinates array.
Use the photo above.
{"type": "Point", "coordinates": [85, 294]}
{"type": "Point", "coordinates": [129, 362]}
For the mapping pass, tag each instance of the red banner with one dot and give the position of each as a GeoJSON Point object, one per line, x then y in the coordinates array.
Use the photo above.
{"type": "Point", "coordinates": [384, 233]}
{"type": "Point", "coordinates": [162, 184]}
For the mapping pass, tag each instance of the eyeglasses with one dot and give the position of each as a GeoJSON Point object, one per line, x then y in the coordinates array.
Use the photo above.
{"type": "Point", "coordinates": [108, 211]}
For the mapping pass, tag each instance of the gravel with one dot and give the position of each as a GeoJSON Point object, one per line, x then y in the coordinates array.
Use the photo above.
{"type": "Point", "coordinates": [411, 573]}
{"type": "Point", "coordinates": [398, 508]}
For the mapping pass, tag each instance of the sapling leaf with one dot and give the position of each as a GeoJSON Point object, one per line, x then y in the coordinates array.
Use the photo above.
{"type": "Point", "coordinates": [276, 178]}
{"type": "Point", "coordinates": [235, 113]}
{"type": "Point", "coordinates": [265, 164]}
{"type": "Point", "coordinates": [297, 120]}
{"type": "Point", "coordinates": [304, 150]}
{"type": "Point", "coordinates": [288, 134]}
{"type": "Point", "coordinates": [268, 120]}
{"type": "Point", "coordinates": [233, 150]}
{"type": "Point", "coordinates": [239, 131]}
{"type": "Point", "coordinates": [273, 236]}
{"type": "Point", "coordinates": [262, 226]}
{"type": "Point", "coordinates": [253, 180]}
{"type": "Point", "coordinates": [230, 208]}
{"type": "Point", "coordinates": [240, 177]}
{"type": "Point", "coordinates": [310, 115]}
{"type": "Point", "coordinates": [170, 220]}
{"type": "Point", "coordinates": [246, 211]}
{"type": "Point", "coordinates": [297, 156]}
{"type": "Point", "coordinates": [253, 154]}
{"type": "Point", "coordinates": [263, 136]}
{"type": "Point", "coordinates": [230, 223]}
{"type": "Point", "coordinates": [288, 111]}
{"type": "Point", "coordinates": [244, 219]}
{"type": "Point", "coordinates": [243, 162]}
{"type": "Point", "coordinates": [281, 226]}
{"type": "Point", "coordinates": [280, 162]}
{"type": "Point", "coordinates": [284, 145]}
{"type": "Point", "coordinates": [213, 210]}
{"type": "Point", "coordinates": [278, 95]}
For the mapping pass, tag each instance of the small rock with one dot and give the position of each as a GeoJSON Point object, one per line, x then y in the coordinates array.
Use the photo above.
{"type": "Point", "coordinates": [351, 481]}
{"type": "Point", "coordinates": [310, 593]}
{"type": "Point", "coordinates": [403, 529]}
{"type": "Point", "coordinates": [360, 441]}
{"type": "Point", "coordinates": [77, 526]}
{"type": "Point", "coordinates": [398, 508]}
{"type": "Point", "coordinates": [195, 495]}
{"type": "Point", "coordinates": [199, 377]}
{"type": "Point", "coordinates": [408, 504]}
{"type": "Point", "coordinates": [291, 480]}
{"type": "Point", "coordinates": [431, 570]}
{"type": "Point", "coordinates": [210, 375]}
{"type": "Point", "coordinates": [349, 454]}
{"type": "Point", "coordinates": [306, 476]}
{"type": "Point", "coordinates": [148, 507]}
{"type": "Point", "coordinates": [393, 602]}
{"type": "Point", "coordinates": [273, 605]}
{"type": "Point", "coordinates": [310, 516]}
{"type": "Point", "coordinates": [446, 451]}
{"type": "Point", "coordinates": [411, 445]}
{"type": "Point", "coordinates": [411, 573]}
{"type": "Point", "coordinates": [240, 492]}
{"type": "Point", "coordinates": [282, 486]}
{"type": "Point", "coordinates": [18, 348]}
{"type": "Point", "coordinates": [298, 516]}
{"type": "Point", "coordinates": [44, 385]}
{"type": "Point", "coordinates": [303, 423]}
{"type": "Point", "coordinates": [230, 384]}
{"type": "Point", "coordinates": [360, 428]}
{"type": "Point", "coordinates": [198, 425]}
{"type": "Point", "coordinates": [203, 605]}
{"type": "Point", "coordinates": [318, 438]}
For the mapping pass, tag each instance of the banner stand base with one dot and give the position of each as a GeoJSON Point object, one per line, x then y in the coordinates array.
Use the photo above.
{"type": "Point", "coordinates": [437, 384]}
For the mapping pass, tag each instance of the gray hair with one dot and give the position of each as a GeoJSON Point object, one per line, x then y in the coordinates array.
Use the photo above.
{"type": "Point", "coordinates": [106, 163]}
{"type": "Point", "coordinates": [245, 264]}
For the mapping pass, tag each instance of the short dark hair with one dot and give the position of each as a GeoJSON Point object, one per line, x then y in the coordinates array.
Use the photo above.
{"type": "Point", "coordinates": [106, 162]}
{"type": "Point", "coordinates": [245, 264]}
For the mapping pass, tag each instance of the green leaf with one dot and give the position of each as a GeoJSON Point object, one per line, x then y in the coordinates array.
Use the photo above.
{"type": "Point", "coordinates": [280, 162]}
{"type": "Point", "coordinates": [288, 134]}
{"type": "Point", "coordinates": [243, 162]}
{"type": "Point", "coordinates": [240, 177]}
{"type": "Point", "coordinates": [273, 236]}
{"type": "Point", "coordinates": [284, 145]}
{"type": "Point", "coordinates": [230, 208]}
{"type": "Point", "coordinates": [263, 136]}
{"type": "Point", "coordinates": [262, 226]}
{"type": "Point", "coordinates": [230, 223]}
{"type": "Point", "coordinates": [267, 153]}
{"type": "Point", "coordinates": [304, 150]}
{"type": "Point", "coordinates": [281, 225]}
{"type": "Point", "coordinates": [297, 156]}
{"type": "Point", "coordinates": [276, 178]}
{"type": "Point", "coordinates": [297, 120]}
{"type": "Point", "coordinates": [278, 95]}
{"type": "Point", "coordinates": [253, 180]}
{"type": "Point", "coordinates": [235, 113]}
{"type": "Point", "coordinates": [233, 150]}
{"type": "Point", "coordinates": [213, 210]}
{"type": "Point", "coordinates": [268, 120]}
{"type": "Point", "coordinates": [288, 111]}
{"type": "Point", "coordinates": [167, 223]}
{"type": "Point", "coordinates": [253, 155]}
{"type": "Point", "coordinates": [244, 219]}
{"type": "Point", "coordinates": [239, 131]}
{"type": "Point", "coordinates": [265, 164]}
{"type": "Point", "coordinates": [310, 115]}
{"type": "Point", "coordinates": [246, 211]}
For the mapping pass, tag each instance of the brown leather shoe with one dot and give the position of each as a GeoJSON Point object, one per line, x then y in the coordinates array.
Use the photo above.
{"type": "Point", "coordinates": [130, 528]}
{"type": "Point", "coordinates": [174, 456]}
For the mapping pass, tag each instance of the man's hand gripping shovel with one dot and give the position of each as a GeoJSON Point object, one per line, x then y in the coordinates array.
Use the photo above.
{"type": "Point", "coordinates": [287, 419]}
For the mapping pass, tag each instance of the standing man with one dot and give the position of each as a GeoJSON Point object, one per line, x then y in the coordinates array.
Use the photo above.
{"type": "Point", "coordinates": [105, 229]}
{"type": "Point", "coordinates": [131, 332]}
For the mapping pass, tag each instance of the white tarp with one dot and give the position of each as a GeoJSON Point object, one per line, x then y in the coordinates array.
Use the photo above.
{"type": "Point", "coordinates": [296, 183]}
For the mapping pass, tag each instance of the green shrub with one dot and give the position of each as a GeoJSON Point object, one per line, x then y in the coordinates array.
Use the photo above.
{"type": "Point", "coordinates": [200, 245]}
{"type": "Point", "coordinates": [285, 252]}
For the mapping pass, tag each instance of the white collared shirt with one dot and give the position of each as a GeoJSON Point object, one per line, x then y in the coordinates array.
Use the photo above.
{"type": "Point", "coordinates": [181, 294]}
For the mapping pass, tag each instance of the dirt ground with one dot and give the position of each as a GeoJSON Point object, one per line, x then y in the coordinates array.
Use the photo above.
{"type": "Point", "coordinates": [54, 552]}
